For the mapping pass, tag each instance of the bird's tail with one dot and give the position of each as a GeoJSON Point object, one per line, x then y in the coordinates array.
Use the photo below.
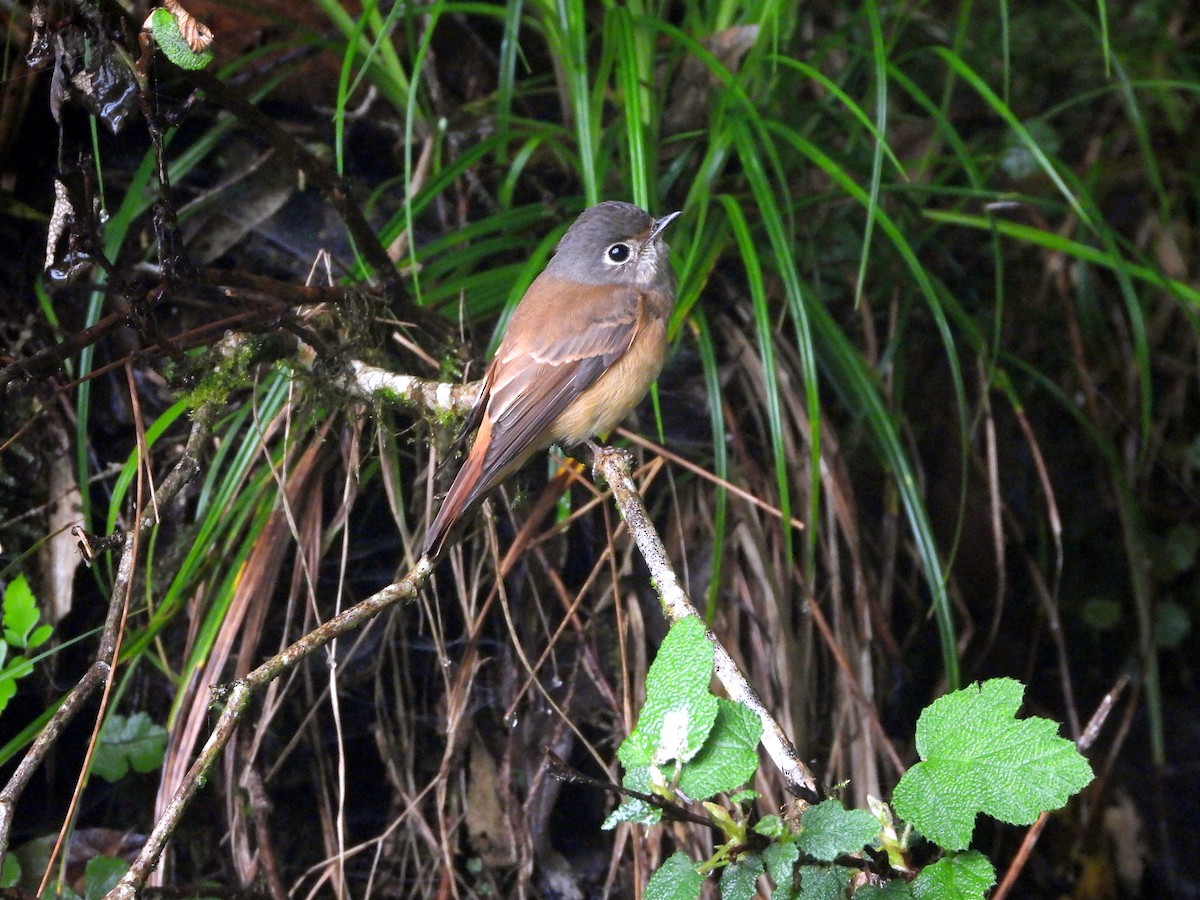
{"type": "Point", "coordinates": [468, 485]}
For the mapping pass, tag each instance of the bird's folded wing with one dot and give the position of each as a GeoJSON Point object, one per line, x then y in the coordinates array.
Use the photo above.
{"type": "Point", "coordinates": [533, 382]}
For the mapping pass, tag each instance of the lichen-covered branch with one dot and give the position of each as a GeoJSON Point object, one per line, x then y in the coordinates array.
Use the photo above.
{"type": "Point", "coordinates": [440, 398]}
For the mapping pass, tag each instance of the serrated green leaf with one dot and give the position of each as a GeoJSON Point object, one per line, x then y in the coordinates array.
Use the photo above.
{"type": "Point", "coordinates": [679, 710]}
{"type": "Point", "coordinates": [170, 40]}
{"type": "Point", "coordinates": [110, 761]}
{"type": "Point", "coordinates": [40, 635]}
{"type": "Point", "coordinates": [738, 881]}
{"type": "Point", "coordinates": [20, 612]}
{"type": "Point", "coordinates": [147, 743]}
{"type": "Point", "coordinates": [780, 859]}
{"type": "Point", "coordinates": [134, 742]}
{"type": "Point", "coordinates": [978, 758]}
{"type": "Point", "coordinates": [828, 829]}
{"type": "Point", "coordinates": [771, 826]}
{"type": "Point", "coordinates": [676, 879]}
{"type": "Point", "coordinates": [728, 758]}
{"type": "Point", "coordinates": [8, 689]}
{"type": "Point", "coordinates": [18, 667]}
{"type": "Point", "coordinates": [823, 882]}
{"type": "Point", "coordinates": [962, 876]}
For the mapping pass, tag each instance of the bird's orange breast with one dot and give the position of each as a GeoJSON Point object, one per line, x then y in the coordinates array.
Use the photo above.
{"type": "Point", "coordinates": [603, 405]}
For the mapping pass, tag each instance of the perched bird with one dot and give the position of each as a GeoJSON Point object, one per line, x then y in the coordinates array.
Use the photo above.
{"type": "Point", "coordinates": [581, 349]}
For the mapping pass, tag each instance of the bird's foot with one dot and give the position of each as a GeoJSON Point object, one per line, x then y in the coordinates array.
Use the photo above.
{"type": "Point", "coordinates": [601, 452]}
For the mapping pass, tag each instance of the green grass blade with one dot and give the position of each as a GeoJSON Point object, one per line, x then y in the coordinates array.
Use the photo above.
{"type": "Point", "coordinates": [716, 412]}
{"type": "Point", "coordinates": [764, 330]}
{"type": "Point", "coordinates": [959, 66]}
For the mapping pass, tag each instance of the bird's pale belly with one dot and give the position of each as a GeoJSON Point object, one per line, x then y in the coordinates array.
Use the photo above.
{"type": "Point", "coordinates": [602, 406]}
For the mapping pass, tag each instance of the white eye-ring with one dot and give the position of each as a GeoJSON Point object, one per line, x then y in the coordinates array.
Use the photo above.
{"type": "Point", "coordinates": [617, 254]}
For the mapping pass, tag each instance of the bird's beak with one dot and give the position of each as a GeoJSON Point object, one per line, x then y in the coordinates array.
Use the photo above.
{"type": "Point", "coordinates": [660, 224]}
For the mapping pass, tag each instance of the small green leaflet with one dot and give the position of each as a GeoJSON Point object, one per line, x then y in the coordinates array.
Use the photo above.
{"type": "Point", "coordinates": [129, 743]}
{"type": "Point", "coordinates": [830, 830]}
{"type": "Point", "coordinates": [963, 876]}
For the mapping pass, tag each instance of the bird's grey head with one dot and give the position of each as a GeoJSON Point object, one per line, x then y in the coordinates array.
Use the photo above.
{"type": "Point", "coordinates": [615, 243]}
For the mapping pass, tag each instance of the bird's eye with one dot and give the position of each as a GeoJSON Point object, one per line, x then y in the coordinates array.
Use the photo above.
{"type": "Point", "coordinates": [618, 253]}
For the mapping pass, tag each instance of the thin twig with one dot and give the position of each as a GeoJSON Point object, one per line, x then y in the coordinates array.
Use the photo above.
{"type": "Point", "coordinates": [237, 697]}
{"type": "Point", "coordinates": [1083, 742]}
{"type": "Point", "coordinates": [98, 673]}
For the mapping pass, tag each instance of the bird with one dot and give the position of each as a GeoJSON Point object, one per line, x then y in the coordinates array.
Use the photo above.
{"type": "Point", "coordinates": [581, 349]}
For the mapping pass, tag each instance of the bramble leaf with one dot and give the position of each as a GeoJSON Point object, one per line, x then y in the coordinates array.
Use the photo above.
{"type": "Point", "coordinates": [679, 710]}
{"type": "Point", "coordinates": [676, 879]}
{"type": "Point", "coordinates": [829, 830]}
{"type": "Point", "coordinates": [978, 758]}
{"type": "Point", "coordinates": [963, 876]}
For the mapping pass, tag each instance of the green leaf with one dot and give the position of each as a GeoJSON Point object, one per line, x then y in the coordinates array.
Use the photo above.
{"type": "Point", "coordinates": [771, 826]}
{"type": "Point", "coordinates": [10, 871]}
{"type": "Point", "coordinates": [978, 758]}
{"type": "Point", "coordinates": [896, 889]}
{"type": "Point", "coordinates": [8, 689]}
{"type": "Point", "coordinates": [135, 742]}
{"type": "Point", "coordinates": [823, 882]}
{"type": "Point", "coordinates": [729, 758]}
{"type": "Point", "coordinates": [170, 40]}
{"type": "Point", "coordinates": [633, 809]}
{"type": "Point", "coordinates": [147, 742]}
{"type": "Point", "coordinates": [101, 875]}
{"type": "Point", "coordinates": [780, 859]}
{"type": "Point", "coordinates": [20, 612]}
{"type": "Point", "coordinates": [739, 878]}
{"type": "Point", "coordinates": [679, 710]}
{"type": "Point", "coordinates": [963, 876]}
{"type": "Point", "coordinates": [828, 829]}
{"type": "Point", "coordinates": [17, 668]}
{"type": "Point", "coordinates": [676, 879]}
{"type": "Point", "coordinates": [40, 635]}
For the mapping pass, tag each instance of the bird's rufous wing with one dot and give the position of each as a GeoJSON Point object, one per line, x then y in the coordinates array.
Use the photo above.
{"type": "Point", "coordinates": [538, 370]}
{"type": "Point", "coordinates": [561, 339]}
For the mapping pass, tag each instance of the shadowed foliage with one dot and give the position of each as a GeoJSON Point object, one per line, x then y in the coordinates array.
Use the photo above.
{"type": "Point", "coordinates": [930, 414]}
